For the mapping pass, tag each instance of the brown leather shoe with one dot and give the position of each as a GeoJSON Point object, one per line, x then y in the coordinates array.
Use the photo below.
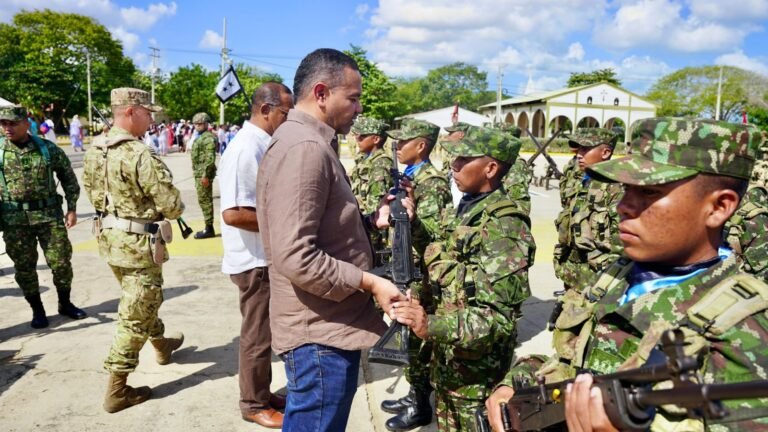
{"type": "Point", "coordinates": [268, 418]}
{"type": "Point", "coordinates": [277, 401]}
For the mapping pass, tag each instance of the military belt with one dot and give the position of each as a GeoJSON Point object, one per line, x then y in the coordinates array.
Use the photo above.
{"type": "Point", "coordinates": [133, 225]}
{"type": "Point", "coordinates": [51, 202]}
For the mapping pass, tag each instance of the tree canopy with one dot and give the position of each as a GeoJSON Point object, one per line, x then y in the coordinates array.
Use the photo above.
{"type": "Point", "coordinates": [601, 75]}
{"type": "Point", "coordinates": [43, 62]}
{"type": "Point", "coordinates": [692, 92]}
{"type": "Point", "coordinates": [378, 98]}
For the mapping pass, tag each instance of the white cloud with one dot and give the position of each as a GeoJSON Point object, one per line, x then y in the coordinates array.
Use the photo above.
{"type": "Point", "coordinates": [575, 51]}
{"type": "Point", "coordinates": [741, 60]}
{"type": "Point", "coordinates": [143, 19]}
{"type": "Point", "coordinates": [361, 10]}
{"type": "Point", "coordinates": [749, 10]}
{"type": "Point", "coordinates": [130, 40]}
{"type": "Point", "coordinates": [211, 40]}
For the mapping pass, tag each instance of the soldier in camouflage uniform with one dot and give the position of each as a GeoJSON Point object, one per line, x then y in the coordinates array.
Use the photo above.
{"type": "Point", "coordinates": [588, 224]}
{"type": "Point", "coordinates": [479, 263]}
{"type": "Point", "coordinates": [682, 183]}
{"type": "Point", "coordinates": [519, 177]}
{"type": "Point", "coordinates": [371, 178]}
{"type": "Point", "coordinates": [431, 193]}
{"type": "Point", "coordinates": [747, 230]}
{"type": "Point", "coordinates": [132, 191]}
{"type": "Point", "coordinates": [31, 211]}
{"type": "Point", "coordinates": [204, 170]}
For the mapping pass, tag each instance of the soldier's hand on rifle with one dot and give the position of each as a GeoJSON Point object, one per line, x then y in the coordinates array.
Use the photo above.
{"type": "Point", "coordinates": [381, 216]}
{"type": "Point", "coordinates": [205, 182]}
{"type": "Point", "coordinates": [385, 292]}
{"type": "Point", "coordinates": [70, 219]}
{"type": "Point", "coordinates": [411, 314]}
{"type": "Point", "coordinates": [584, 409]}
{"type": "Point", "coordinates": [502, 395]}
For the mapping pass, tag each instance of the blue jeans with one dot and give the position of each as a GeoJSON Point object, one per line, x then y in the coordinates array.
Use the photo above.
{"type": "Point", "coordinates": [322, 381]}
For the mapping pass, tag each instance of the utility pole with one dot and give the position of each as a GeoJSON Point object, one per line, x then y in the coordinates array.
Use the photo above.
{"type": "Point", "coordinates": [90, 102]}
{"type": "Point", "coordinates": [499, 77]}
{"type": "Point", "coordinates": [154, 56]}
{"type": "Point", "coordinates": [719, 90]}
{"type": "Point", "coordinates": [224, 62]}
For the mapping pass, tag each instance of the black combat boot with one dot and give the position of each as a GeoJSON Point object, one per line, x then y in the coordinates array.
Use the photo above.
{"type": "Point", "coordinates": [39, 320]}
{"type": "Point", "coordinates": [67, 309]}
{"type": "Point", "coordinates": [396, 406]}
{"type": "Point", "coordinates": [206, 233]}
{"type": "Point", "coordinates": [419, 413]}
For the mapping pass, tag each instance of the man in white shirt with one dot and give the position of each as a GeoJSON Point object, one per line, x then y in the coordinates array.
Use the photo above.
{"type": "Point", "coordinates": [244, 257]}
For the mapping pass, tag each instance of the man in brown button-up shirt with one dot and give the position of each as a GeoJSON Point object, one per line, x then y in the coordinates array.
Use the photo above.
{"type": "Point", "coordinates": [317, 247]}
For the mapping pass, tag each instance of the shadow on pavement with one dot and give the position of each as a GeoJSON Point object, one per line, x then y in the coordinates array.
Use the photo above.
{"type": "Point", "coordinates": [12, 369]}
{"type": "Point", "coordinates": [536, 313]}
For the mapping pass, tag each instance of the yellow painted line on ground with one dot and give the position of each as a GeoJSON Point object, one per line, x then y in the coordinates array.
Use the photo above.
{"type": "Point", "coordinates": [179, 246]}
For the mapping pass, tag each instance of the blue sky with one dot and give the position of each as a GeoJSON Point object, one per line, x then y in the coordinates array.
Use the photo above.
{"type": "Point", "coordinates": [537, 44]}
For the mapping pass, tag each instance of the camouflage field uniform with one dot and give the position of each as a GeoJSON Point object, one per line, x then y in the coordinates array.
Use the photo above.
{"type": "Point", "coordinates": [204, 165]}
{"type": "Point", "coordinates": [588, 224]}
{"type": "Point", "coordinates": [371, 178]}
{"type": "Point", "coordinates": [31, 211]}
{"type": "Point", "coordinates": [597, 332]}
{"type": "Point", "coordinates": [518, 179]}
{"type": "Point", "coordinates": [138, 186]}
{"type": "Point", "coordinates": [431, 194]}
{"type": "Point", "coordinates": [479, 264]}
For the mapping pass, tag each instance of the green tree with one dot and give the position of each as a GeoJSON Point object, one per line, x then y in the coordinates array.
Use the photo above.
{"type": "Point", "coordinates": [455, 83]}
{"type": "Point", "coordinates": [189, 90]}
{"type": "Point", "coordinates": [692, 92]}
{"type": "Point", "coordinates": [601, 75]}
{"type": "Point", "coordinates": [43, 62]}
{"type": "Point", "coordinates": [378, 98]}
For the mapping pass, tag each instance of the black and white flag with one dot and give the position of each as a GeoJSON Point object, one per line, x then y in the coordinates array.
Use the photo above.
{"type": "Point", "coordinates": [228, 86]}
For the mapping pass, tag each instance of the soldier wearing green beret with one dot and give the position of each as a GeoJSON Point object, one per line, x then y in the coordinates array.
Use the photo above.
{"type": "Point", "coordinates": [133, 193]}
{"type": "Point", "coordinates": [588, 226]}
{"type": "Point", "coordinates": [431, 193]}
{"type": "Point", "coordinates": [204, 170]}
{"type": "Point", "coordinates": [682, 183]}
{"type": "Point", "coordinates": [31, 211]}
{"type": "Point", "coordinates": [478, 262]}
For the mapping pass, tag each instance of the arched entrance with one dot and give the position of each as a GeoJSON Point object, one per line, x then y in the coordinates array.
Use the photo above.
{"type": "Point", "coordinates": [560, 123]}
{"type": "Point", "coordinates": [537, 128]}
{"type": "Point", "coordinates": [509, 119]}
{"type": "Point", "coordinates": [522, 123]}
{"type": "Point", "coordinates": [588, 122]}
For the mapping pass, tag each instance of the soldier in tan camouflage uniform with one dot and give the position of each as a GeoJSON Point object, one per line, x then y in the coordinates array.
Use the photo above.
{"type": "Point", "coordinates": [133, 194]}
{"type": "Point", "coordinates": [415, 142]}
{"type": "Point", "coordinates": [31, 211]}
{"type": "Point", "coordinates": [204, 170]}
{"type": "Point", "coordinates": [371, 178]}
{"type": "Point", "coordinates": [588, 224]}
{"type": "Point", "coordinates": [478, 260]}
{"type": "Point", "coordinates": [682, 183]}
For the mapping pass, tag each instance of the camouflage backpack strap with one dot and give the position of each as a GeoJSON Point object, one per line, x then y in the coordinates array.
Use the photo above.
{"type": "Point", "coordinates": [6, 195]}
{"type": "Point", "coordinates": [47, 160]}
{"type": "Point", "coordinates": [730, 302]}
{"type": "Point", "coordinates": [507, 207]}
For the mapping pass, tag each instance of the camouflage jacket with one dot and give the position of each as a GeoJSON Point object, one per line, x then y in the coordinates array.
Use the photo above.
{"type": "Point", "coordinates": [371, 179]}
{"type": "Point", "coordinates": [137, 185]}
{"type": "Point", "coordinates": [747, 232]}
{"type": "Point", "coordinates": [204, 156]}
{"type": "Point", "coordinates": [28, 177]}
{"type": "Point", "coordinates": [595, 333]}
{"type": "Point", "coordinates": [569, 181]}
{"type": "Point", "coordinates": [516, 183]}
{"type": "Point", "coordinates": [431, 194]}
{"type": "Point", "coordinates": [588, 232]}
{"type": "Point", "coordinates": [478, 267]}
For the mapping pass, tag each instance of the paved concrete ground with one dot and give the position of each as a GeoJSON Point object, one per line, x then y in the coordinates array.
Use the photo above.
{"type": "Point", "coordinates": [52, 379]}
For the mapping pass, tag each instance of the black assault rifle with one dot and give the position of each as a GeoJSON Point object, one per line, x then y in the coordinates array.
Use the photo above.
{"type": "Point", "coordinates": [392, 347]}
{"type": "Point", "coordinates": [628, 398]}
{"type": "Point", "coordinates": [542, 150]}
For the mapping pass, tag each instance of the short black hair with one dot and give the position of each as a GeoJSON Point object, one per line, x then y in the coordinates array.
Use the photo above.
{"type": "Point", "coordinates": [324, 64]}
{"type": "Point", "coordinates": [713, 182]}
{"type": "Point", "coordinates": [269, 93]}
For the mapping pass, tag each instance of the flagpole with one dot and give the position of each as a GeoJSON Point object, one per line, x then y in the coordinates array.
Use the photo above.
{"type": "Point", "coordinates": [223, 65]}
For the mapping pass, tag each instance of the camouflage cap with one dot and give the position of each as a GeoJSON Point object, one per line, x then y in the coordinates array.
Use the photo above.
{"type": "Point", "coordinates": [486, 142]}
{"type": "Point", "coordinates": [13, 113]}
{"type": "Point", "coordinates": [126, 96]}
{"type": "Point", "coordinates": [515, 131]}
{"type": "Point", "coordinates": [200, 118]}
{"type": "Point", "coordinates": [458, 127]}
{"type": "Point", "coordinates": [592, 137]}
{"type": "Point", "coordinates": [413, 128]}
{"type": "Point", "coordinates": [369, 126]}
{"type": "Point", "coordinates": [672, 149]}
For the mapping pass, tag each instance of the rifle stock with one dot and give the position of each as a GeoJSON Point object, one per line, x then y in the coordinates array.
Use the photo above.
{"type": "Point", "coordinates": [392, 347]}
{"type": "Point", "coordinates": [629, 401]}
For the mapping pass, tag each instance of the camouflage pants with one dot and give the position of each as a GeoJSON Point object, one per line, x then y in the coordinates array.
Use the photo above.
{"type": "Point", "coordinates": [21, 246]}
{"type": "Point", "coordinates": [417, 371]}
{"type": "Point", "coordinates": [456, 414]}
{"type": "Point", "coordinates": [205, 199]}
{"type": "Point", "coordinates": [142, 295]}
